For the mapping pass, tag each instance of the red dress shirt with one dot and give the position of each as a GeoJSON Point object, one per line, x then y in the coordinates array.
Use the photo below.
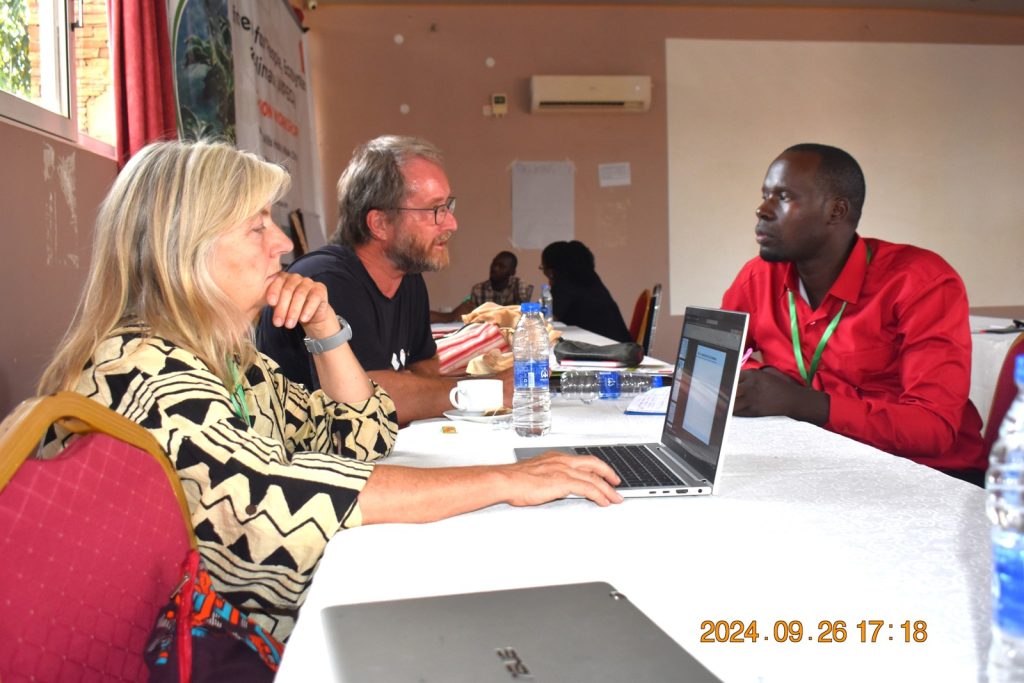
{"type": "Point", "coordinates": [897, 369]}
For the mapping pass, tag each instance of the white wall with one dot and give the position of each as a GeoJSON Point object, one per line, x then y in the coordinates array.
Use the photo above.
{"type": "Point", "coordinates": [938, 130]}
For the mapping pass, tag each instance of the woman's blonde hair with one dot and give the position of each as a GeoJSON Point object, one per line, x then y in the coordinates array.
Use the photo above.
{"type": "Point", "coordinates": [151, 254]}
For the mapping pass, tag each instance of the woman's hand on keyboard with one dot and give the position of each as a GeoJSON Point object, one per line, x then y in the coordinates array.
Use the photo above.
{"type": "Point", "coordinates": [557, 475]}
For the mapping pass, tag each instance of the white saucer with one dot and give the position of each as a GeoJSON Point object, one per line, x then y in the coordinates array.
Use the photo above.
{"type": "Point", "coordinates": [467, 416]}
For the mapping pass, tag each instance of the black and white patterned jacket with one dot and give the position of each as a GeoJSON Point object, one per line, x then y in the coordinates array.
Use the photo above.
{"type": "Point", "coordinates": [265, 497]}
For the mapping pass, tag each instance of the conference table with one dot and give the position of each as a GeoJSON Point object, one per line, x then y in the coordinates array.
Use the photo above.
{"type": "Point", "coordinates": [993, 333]}
{"type": "Point", "coordinates": [856, 565]}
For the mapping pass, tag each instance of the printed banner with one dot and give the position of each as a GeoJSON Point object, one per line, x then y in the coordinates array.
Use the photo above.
{"type": "Point", "coordinates": [241, 76]}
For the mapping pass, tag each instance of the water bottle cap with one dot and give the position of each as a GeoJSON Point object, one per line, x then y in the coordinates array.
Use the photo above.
{"type": "Point", "coordinates": [1018, 370]}
{"type": "Point", "coordinates": [545, 286]}
{"type": "Point", "coordinates": [529, 307]}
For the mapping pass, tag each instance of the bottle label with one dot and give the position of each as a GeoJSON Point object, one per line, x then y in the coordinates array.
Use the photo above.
{"type": "Point", "coordinates": [1008, 582]}
{"type": "Point", "coordinates": [531, 374]}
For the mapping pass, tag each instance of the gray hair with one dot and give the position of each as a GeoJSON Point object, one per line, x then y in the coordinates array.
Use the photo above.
{"type": "Point", "coordinates": [373, 180]}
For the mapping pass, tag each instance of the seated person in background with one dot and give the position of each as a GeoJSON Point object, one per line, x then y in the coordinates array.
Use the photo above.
{"type": "Point", "coordinates": [578, 295]}
{"type": "Point", "coordinates": [185, 255]}
{"type": "Point", "coordinates": [884, 345]}
{"type": "Point", "coordinates": [396, 215]}
{"type": "Point", "coordinates": [503, 288]}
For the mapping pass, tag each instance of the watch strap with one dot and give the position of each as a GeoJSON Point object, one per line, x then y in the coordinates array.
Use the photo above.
{"type": "Point", "coordinates": [318, 346]}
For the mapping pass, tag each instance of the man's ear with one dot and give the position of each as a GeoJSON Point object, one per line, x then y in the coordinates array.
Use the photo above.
{"type": "Point", "coordinates": [838, 209]}
{"type": "Point", "coordinates": [378, 223]}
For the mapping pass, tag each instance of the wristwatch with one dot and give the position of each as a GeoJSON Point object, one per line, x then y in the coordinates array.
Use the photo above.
{"type": "Point", "coordinates": [316, 346]}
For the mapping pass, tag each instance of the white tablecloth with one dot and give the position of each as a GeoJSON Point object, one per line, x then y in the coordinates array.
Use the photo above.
{"type": "Point", "coordinates": [987, 355]}
{"type": "Point", "coordinates": [807, 526]}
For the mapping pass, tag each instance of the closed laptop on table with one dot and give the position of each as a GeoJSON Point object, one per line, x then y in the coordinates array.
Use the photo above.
{"type": "Point", "coordinates": [586, 632]}
{"type": "Point", "coordinates": [688, 459]}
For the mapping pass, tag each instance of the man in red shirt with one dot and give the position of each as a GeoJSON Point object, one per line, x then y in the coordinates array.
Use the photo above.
{"type": "Point", "coordinates": [866, 338]}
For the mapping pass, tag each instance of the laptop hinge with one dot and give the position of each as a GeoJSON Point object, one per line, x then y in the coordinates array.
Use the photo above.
{"type": "Point", "coordinates": [682, 468]}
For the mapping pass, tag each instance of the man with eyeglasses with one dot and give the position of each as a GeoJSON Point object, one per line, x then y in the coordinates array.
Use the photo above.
{"type": "Point", "coordinates": [395, 217]}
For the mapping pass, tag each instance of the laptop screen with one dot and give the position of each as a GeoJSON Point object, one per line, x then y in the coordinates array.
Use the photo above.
{"type": "Point", "coordinates": [707, 367]}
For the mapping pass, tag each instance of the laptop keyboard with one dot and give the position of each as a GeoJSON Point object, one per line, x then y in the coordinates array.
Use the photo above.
{"type": "Point", "coordinates": [635, 465]}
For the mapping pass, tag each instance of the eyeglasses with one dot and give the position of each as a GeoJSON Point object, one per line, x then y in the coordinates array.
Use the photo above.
{"type": "Point", "coordinates": [441, 211]}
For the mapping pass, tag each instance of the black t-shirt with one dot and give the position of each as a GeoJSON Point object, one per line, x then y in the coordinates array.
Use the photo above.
{"type": "Point", "coordinates": [387, 334]}
{"type": "Point", "coordinates": [590, 307]}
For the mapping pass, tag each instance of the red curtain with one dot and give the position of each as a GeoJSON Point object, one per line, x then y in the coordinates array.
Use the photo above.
{"type": "Point", "coordinates": [143, 83]}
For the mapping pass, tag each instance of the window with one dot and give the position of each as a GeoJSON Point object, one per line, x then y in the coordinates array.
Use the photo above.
{"type": "Point", "coordinates": [94, 77]}
{"type": "Point", "coordinates": [53, 78]}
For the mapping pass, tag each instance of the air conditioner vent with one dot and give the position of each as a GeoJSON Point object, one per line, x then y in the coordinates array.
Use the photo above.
{"type": "Point", "coordinates": [590, 93]}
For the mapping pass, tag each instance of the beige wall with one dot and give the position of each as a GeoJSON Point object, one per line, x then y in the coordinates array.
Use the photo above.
{"type": "Point", "coordinates": [362, 77]}
{"type": "Point", "coordinates": [50, 192]}
{"type": "Point", "coordinates": [909, 113]}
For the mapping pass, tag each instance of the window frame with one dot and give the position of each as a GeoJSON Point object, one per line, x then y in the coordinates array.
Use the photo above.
{"type": "Point", "coordinates": [61, 125]}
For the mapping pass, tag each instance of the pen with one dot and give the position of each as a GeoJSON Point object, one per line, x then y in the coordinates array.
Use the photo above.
{"type": "Point", "coordinates": [1015, 327]}
{"type": "Point", "coordinates": [746, 356]}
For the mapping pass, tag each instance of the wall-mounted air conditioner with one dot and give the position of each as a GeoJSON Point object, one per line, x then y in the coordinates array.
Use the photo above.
{"type": "Point", "coordinates": [590, 93]}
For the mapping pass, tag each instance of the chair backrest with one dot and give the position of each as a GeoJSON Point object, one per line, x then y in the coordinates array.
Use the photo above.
{"type": "Point", "coordinates": [1002, 397]}
{"type": "Point", "coordinates": [92, 541]}
{"type": "Point", "coordinates": [651, 321]}
{"type": "Point", "coordinates": [638, 322]}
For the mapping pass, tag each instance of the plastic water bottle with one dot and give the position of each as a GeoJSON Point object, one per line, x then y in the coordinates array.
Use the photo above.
{"type": "Point", "coordinates": [531, 398]}
{"type": "Point", "coordinates": [580, 384]}
{"type": "Point", "coordinates": [610, 384]}
{"type": "Point", "coordinates": [546, 303]}
{"type": "Point", "coordinates": [637, 383]}
{"type": "Point", "coordinates": [1005, 507]}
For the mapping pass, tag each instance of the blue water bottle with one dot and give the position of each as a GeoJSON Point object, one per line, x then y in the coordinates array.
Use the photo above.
{"type": "Point", "coordinates": [531, 396]}
{"type": "Point", "coordinates": [546, 302]}
{"type": "Point", "coordinates": [610, 384]}
{"type": "Point", "coordinates": [1005, 507]}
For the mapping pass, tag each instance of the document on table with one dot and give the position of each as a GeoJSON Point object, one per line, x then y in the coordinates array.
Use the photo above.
{"type": "Point", "coordinates": [651, 402]}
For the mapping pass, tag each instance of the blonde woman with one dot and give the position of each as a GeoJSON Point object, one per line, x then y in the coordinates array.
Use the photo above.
{"type": "Point", "coordinates": [185, 256]}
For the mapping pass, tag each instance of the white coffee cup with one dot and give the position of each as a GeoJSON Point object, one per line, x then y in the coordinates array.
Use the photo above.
{"type": "Point", "coordinates": [477, 395]}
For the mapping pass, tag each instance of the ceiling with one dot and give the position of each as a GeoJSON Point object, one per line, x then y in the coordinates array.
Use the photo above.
{"type": "Point", "coordinates": [1007, 7]}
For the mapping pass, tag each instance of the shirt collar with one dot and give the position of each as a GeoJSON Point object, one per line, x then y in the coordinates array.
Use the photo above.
{"type": "Point", "coordinates": [848, 285]}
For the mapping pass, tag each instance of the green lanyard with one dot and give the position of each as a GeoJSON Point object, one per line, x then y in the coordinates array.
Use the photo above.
{"type": "Point", "coordinates": [795, 330]}
{"type": "Point", "coordinates": [238, 395]}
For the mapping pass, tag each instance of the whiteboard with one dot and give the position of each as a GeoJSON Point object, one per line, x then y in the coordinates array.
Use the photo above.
{"type": "Point", "coordinates": [938, 130]}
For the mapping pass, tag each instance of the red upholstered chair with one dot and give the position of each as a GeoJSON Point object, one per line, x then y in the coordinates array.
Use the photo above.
{"type": "Point", "coordinates": [651, 319]}
{"type": "Point", "coordinates": [92, 543]}
{"type": "Point", "coordinates": [638, 323]}
{"type": "Point", "coordinates": [1006, 391]}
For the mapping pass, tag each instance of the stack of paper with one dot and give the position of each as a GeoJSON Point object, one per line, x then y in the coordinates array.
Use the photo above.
{"type": "Point", "coordinates": [651, 402]}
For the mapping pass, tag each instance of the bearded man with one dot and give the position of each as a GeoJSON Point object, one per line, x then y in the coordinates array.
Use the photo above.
{"type": "Point", "coordinates": [396, 214]}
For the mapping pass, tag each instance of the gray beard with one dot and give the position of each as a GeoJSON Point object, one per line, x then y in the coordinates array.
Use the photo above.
{"type": "Point", "coordinates": [403, 258]}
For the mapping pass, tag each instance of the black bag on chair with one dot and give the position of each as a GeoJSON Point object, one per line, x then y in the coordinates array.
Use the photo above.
{"type": "Point", "coordinates": [629, 353]}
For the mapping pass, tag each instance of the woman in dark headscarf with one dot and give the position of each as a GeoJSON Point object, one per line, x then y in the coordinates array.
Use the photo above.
{"type": "Point", "coordinates": [579, 297]}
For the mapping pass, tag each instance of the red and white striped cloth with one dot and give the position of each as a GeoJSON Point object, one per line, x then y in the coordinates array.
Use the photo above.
{"type": "Point", "coordinates": [458, 348]}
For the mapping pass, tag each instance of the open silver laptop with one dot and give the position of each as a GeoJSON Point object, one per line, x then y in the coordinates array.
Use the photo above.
{"type": "Point", "coordinates": [688, 458]}
{"type": "Point", "coordinates": [549, 634]}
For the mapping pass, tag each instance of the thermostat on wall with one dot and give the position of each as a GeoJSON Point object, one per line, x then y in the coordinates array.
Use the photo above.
{"type": "Point", "coordinates": [499, 104]}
